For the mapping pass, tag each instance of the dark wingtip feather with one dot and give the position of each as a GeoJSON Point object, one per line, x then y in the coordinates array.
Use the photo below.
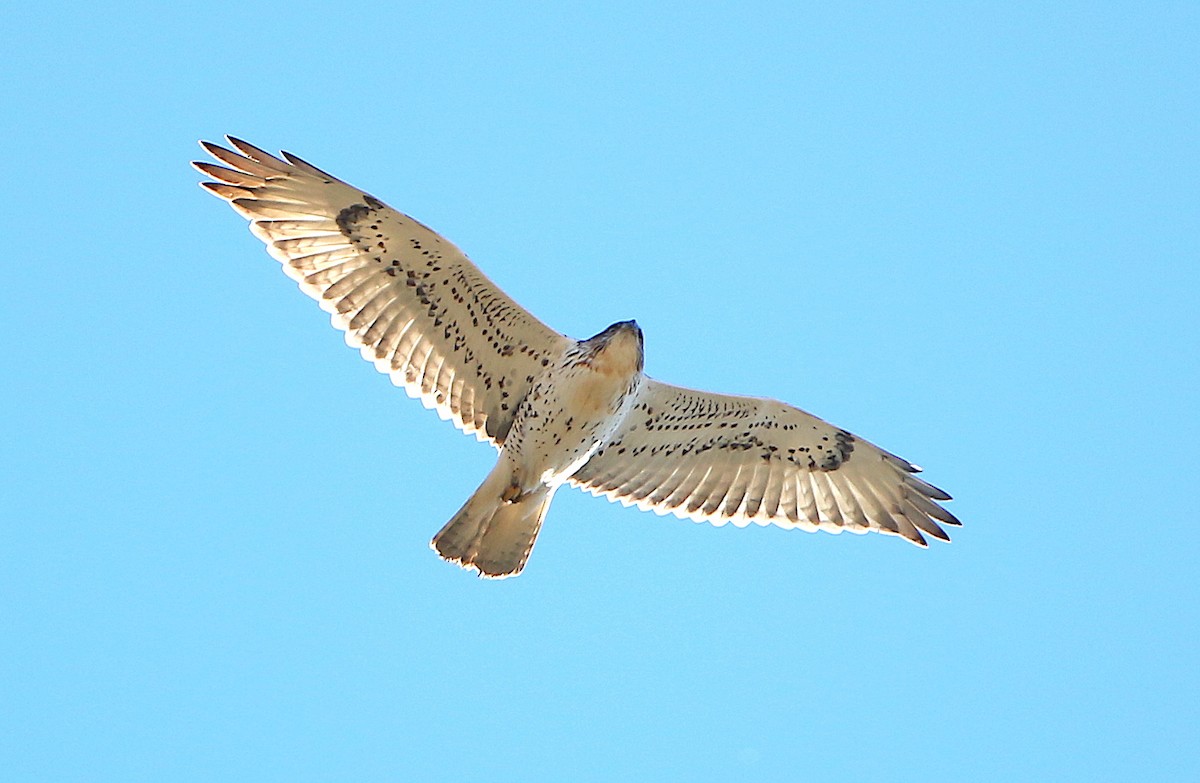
{"type": "Point", "coordinates": [254, 153]}
{"type": "Point", "coordinates": [214, 149]}
{"type": "Point", "coordinates": [226, 175]}
{"type": "Point", "coordinates": [934, 530]}
{"type": "Point", "coordinates": [303, 164]}
{"type": "Point", "coordinates": [229, 192]}
{"type": "Point", "coordinates": [244, 146]}
{"type": "Point", "coordinates": [951, 519]}
{"type": "Point", "coordinates": [926, 488]}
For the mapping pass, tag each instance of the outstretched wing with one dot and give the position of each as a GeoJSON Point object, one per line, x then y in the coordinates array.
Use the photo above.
{"type": "Point", "coordinates": [719, 458]}
{"type": "Point", "coordinates": [409, 300]}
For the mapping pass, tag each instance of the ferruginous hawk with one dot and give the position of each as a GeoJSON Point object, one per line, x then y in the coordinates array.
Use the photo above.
{"type": "Point", "coordinates": [558, 410]}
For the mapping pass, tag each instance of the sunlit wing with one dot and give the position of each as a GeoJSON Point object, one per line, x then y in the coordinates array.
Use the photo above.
{"type": "Point", "coordinates": [408, 299]}
{"type": "Point", "coordinates": [720, 458]}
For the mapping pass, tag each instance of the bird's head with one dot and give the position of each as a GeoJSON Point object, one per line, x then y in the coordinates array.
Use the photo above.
{"type": "Point", "coordinates": [618, 349]}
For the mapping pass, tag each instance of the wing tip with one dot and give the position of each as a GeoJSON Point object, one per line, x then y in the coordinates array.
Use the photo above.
{"type": "Point", "coordinates": [247, 149]}
{"type": "Point", "coordinates": [215, 188]}
{"type": "Point", "coordinates": [927, 489]}
{"type": "Point", "coordinates": [214, 149]}
{"type": "Point", "coordinates": [228, 192]}
{"type": "Point", "coordinates": [304, 165]}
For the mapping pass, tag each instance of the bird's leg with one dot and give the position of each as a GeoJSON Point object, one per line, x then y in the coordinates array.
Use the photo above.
{"type": "Point", "coordinates": [512, 493]}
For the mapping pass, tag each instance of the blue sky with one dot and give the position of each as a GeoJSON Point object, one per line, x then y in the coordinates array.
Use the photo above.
{"type": "Point", "coordinates": [967, 232]}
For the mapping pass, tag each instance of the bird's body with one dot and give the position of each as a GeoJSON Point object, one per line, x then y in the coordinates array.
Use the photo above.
{"type": "Point", "coordinates": [572, 410]}
{"type": "Point", "coordinates": [558, 410]}
{"type": "Point", "coordinates": [576, 405]}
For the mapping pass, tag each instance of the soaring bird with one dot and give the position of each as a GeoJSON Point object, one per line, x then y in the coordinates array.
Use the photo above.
{"type": "Point", "coordinates": [558, 410]}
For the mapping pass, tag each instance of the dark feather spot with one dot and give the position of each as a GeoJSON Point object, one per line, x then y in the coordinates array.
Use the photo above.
{"type": "Point", "coordinates": [349, 216]}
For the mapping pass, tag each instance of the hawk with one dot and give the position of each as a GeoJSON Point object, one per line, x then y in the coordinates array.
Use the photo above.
{"type": "Point", "coordinates": [558, 410]}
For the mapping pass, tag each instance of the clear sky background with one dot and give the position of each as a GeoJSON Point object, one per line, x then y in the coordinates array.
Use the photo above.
{"type": "Point", "coordinates": [968, 232]}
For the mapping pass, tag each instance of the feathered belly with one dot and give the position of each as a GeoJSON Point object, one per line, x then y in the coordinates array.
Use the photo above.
{"type": "Point", "coordinates": [565, 420]}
